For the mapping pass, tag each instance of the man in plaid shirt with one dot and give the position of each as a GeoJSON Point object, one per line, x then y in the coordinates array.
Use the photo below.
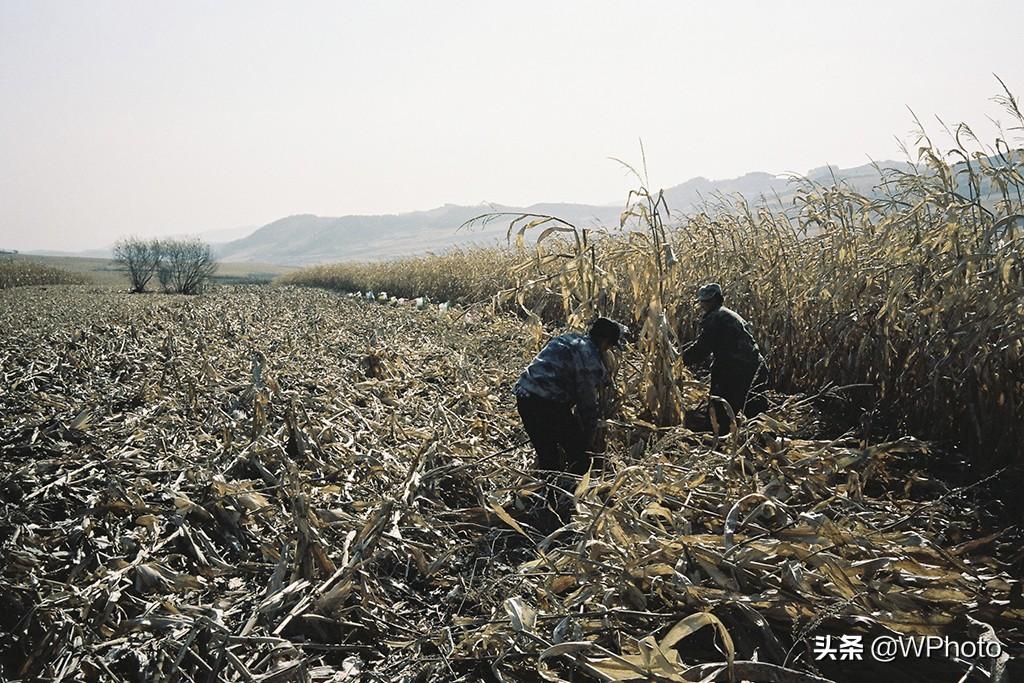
{"type": "Point", "coordinates": [557, 396]}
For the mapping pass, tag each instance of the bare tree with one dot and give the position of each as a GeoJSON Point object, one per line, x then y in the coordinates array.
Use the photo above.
{"type": "Point", "coordinates": [185, 265]}
{"type": "Point", "coordinates": [141, 258]}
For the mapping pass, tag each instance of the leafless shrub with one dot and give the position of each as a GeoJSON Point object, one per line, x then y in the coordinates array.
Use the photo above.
{"type": "Point", "coordinates": [140, 259]}
{"type": "Point", "coordinates": [185, 266]}
{"type": "Point", "coordinates": [181, 266]}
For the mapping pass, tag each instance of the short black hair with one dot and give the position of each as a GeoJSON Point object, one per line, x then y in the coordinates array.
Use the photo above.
{"type": "Point", "coordinates": [604, 329]}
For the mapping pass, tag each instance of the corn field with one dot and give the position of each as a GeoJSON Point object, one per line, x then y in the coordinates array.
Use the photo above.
{"type": "Point", "coordinates": [462, 275]}
{"type": "Point", "coordinates": [282, 484]}
{"type": "Point", "coordinates": [20, 273]}
{"type": "Point", "coordinates": [915, 292]}
{"type": "Point", "coordinates": [269, 484]}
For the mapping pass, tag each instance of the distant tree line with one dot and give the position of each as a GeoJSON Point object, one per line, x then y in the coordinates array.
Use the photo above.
{"type": "Point", "coordinates": [180, 266]}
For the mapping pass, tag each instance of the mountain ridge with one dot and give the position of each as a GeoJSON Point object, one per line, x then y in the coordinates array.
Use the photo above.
{"type": "Point", "coordinates": [305, 239]}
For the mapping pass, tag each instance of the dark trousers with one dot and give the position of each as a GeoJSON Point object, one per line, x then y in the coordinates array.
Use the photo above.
{"type": "Point", "coordinates": [556, 435]}
{"type": "Point", "coordinates": [733, 382]}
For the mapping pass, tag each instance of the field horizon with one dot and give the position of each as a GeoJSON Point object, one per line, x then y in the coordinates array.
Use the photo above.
{"type": "Point", "coordinates": [105, 271]}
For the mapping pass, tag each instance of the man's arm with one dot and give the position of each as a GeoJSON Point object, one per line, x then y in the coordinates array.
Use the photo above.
{"type": "Point", "coordinates": [705, 344]}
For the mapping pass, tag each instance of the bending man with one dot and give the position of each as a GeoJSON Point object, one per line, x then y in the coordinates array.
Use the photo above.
{"type": "Point", "coordinates": [566, 374]}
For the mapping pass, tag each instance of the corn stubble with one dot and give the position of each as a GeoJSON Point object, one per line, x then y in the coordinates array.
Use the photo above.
{"type": "Point", "coordinates": [279, 484]}
{"type": "Point", "coordinates": [22, 273]}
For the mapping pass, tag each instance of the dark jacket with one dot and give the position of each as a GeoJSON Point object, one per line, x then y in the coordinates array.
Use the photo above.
{"type": "Point", "coordinates": [726, 336]}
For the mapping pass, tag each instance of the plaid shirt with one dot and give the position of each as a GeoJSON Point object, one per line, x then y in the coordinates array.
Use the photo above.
{"type": "Point", "coordinates": [569, 370]}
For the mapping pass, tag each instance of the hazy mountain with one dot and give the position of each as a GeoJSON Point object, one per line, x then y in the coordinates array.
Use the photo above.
{"type": "Point", "coordinates": [696, 191]}
{"type": "Point", "coordinates": [212, 237]}
{"type": "Point", "coordinates": [221, 235]}
{"type": "Point", "coordinates": [305, 239]}
{"type": "Point", "coordinates": [104, 252]}
{"type": "Point", "coordinates": [772, 189]}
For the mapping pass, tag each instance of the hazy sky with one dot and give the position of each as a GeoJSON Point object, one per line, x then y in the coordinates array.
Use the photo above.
{"type": "Point", "coordinates": [169, 117]}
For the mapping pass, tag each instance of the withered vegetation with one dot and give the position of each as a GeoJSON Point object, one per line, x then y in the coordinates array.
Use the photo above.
{"type": "Point", "coordinates": [271, 484]}
{"type": "Point", "coordinates": [914, 290]}
{"type": "Point", "coordinates": [23, 272]}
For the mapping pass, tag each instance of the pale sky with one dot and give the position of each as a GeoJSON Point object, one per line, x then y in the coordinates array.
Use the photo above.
{"type": "Point", "coordinates": [153, 117]}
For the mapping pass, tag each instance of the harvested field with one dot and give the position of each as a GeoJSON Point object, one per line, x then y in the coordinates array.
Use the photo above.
{"type": "Point", "coordinates": [21, 272]}
{"type": "Point", "coordinates": [280, 484]}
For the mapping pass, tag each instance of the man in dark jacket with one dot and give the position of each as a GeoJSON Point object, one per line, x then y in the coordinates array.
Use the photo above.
{"type": "Point", "coordinates": [737, 360]}
{"type": "Point", "coordinates": [566, 374]}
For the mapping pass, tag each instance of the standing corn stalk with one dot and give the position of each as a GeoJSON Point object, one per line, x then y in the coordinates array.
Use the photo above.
{"type": "Point", "coordinates": [913, 286]}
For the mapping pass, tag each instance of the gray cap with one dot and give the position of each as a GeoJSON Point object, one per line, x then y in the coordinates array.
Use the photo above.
{"type": "Point", "coordinates": [709, 291]}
